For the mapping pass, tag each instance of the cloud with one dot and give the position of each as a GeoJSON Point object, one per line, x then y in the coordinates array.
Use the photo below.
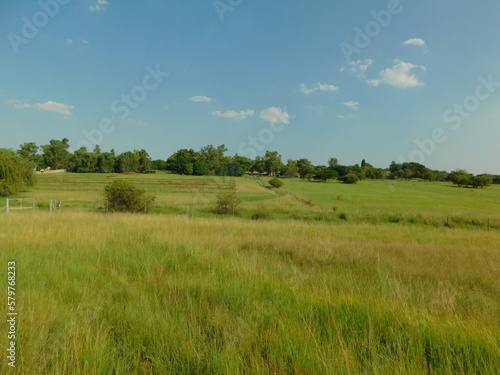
{"type": "Point", "coordinates": [358, 67]}
{"type": "Point", "coordinates": [275, 115]}
{"type": "Point", "coordinates": [49, 106]}
{"type": "Point", "coordinates": [352, 104]}
{"type": "Point", "coordinates": [342, 117]}
{"type": "Point", "coordinates": [317, 87]}
{"type": "Point", "coordinates": [199, 98]}
{"type": "Point", "coordinates": [137, 122]}
{"type": "Point", "coordinates": [98, 6]}
{"type": "Point", "coordinates": [415, 42]}
{"type": "Point", "coordinates": [234, 114]}
{"type": "Point", "coordinates": [399, 75]}
{"type": "Point", "coordinates": [55, 107]}
{"type": "Point", "coordinates": [71, 42]}
{"type": "Point", "coordinates": [16, 103]}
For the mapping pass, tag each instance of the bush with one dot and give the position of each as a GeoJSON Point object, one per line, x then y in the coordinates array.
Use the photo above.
{"type": "Point", "coordinates": [351, 178]}
{"type": "Point", "coordinates": [275, 183]}
{"type": "Point", "coordinates": [227, 204]}
{"type": "Point", "coordinates": [123, 196]}
{"type": "Point", "coordinates": [261, 214]}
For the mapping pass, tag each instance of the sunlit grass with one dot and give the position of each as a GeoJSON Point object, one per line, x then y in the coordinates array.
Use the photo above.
{"type": "Point", "coordinates": [114, 294]}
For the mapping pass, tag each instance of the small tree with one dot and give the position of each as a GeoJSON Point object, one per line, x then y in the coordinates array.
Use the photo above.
{"type": "Point", "coordinates": [481, 181]}
{"type": "Point", "coordinates": [123, 196]}
{"type": "Point", "coordinates": [227, 204]}
{"type": "Point", "coordinates": [275, 183]}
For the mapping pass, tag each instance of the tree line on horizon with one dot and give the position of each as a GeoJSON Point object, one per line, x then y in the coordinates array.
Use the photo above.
{"type": "Point", "coordinates": [213, 161]}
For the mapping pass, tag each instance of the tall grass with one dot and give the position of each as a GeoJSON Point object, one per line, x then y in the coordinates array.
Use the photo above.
{"type": "Point", "coordinates": [124, 294]}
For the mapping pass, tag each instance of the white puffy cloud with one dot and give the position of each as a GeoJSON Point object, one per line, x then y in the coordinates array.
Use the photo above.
{"type": "Point", "coordinates": [200, 98]}
{"type": "Point", "coordinates": [49, 106]}
{"type": "Point", "coordinates": [98, 6]}
{"type": "Point", "coordinates": [317, 87]}
{"type": "Point", "coordinates": [400, 75]}
{"type": "Point", "coordinates": [415, 42]}
{"type": "Point", "coordinates": [234, 114]}
{"type": "Point", "coordinates": [352, 104]}
{"type": "Point", "coordinates": [275, 115]}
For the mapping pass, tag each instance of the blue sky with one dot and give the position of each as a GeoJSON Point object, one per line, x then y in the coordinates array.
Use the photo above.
{"type": "Point", "coordinates": [380, 80]}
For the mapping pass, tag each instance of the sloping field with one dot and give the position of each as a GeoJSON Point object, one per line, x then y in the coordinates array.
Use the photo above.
{"type": "Point", "coordinates": [397, 202]}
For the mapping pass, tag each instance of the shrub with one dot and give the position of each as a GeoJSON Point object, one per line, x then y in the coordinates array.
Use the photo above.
{"type": "Point", "coordinates": [261, 215]}
{"type": "Point", "coordinates": [351, 178]}
{"type": "Point", "coordinates": [275, 183]}
{"type": "Point", "coordinates": [227, 204]}
{"type": "Point", "coordinates": [123, 196]}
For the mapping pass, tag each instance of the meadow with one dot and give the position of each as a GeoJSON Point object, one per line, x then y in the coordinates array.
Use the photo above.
{"type": "Point", "coordinates": [381, 277]}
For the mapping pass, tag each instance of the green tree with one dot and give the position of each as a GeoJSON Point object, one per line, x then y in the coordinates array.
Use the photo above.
{"type": "Point", "coordinates": [238, 165]}
{"type": "Point", "coordinates": [123, 196]}
{"type": "Point", "coordinates": [16, 172]}
{"type": "Point", "coordinates": [143, 160]}
{"type": "Point", "coordinates": [215, 159]}
{"type": "Point", "coordinates": [461, 178]}
{"type": "Point", "coordinates": [29, 151]}
{"type": "Point", "coordinates": [106, 162]}
{"type": "Point", "coordinates": [55, 154]}
{"type": "Point", "coordinates": [127, 162]}
{"type": "Point", "coordinates": [259, 165]}
{"type": "Point", "coordinates": [83, 161]}
{"type": "Point", "coordinates": [291, 169]}
{"type": "Point", "coordinates": [200, 168]}
{"type": "Point", "coordinates": [272, 163]}
{"type": "Point", "coordinates": [481, 181]}
{"type": "Point", "coordinates": [324, 174]}
{"type": "Point", "coordinates": [333, 163]}
{"type": "Point", "coordinates": [185, 162]}
{"type": "Point", "coordinates": [305, 168]}
{"type": "Point", "coordinates": [159, 165]}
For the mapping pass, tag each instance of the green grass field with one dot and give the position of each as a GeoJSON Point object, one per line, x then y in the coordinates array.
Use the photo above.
{"type": "Point", "coordinates": [405, 202]}
{"type": "Point", "coordinates": [406, 283]}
